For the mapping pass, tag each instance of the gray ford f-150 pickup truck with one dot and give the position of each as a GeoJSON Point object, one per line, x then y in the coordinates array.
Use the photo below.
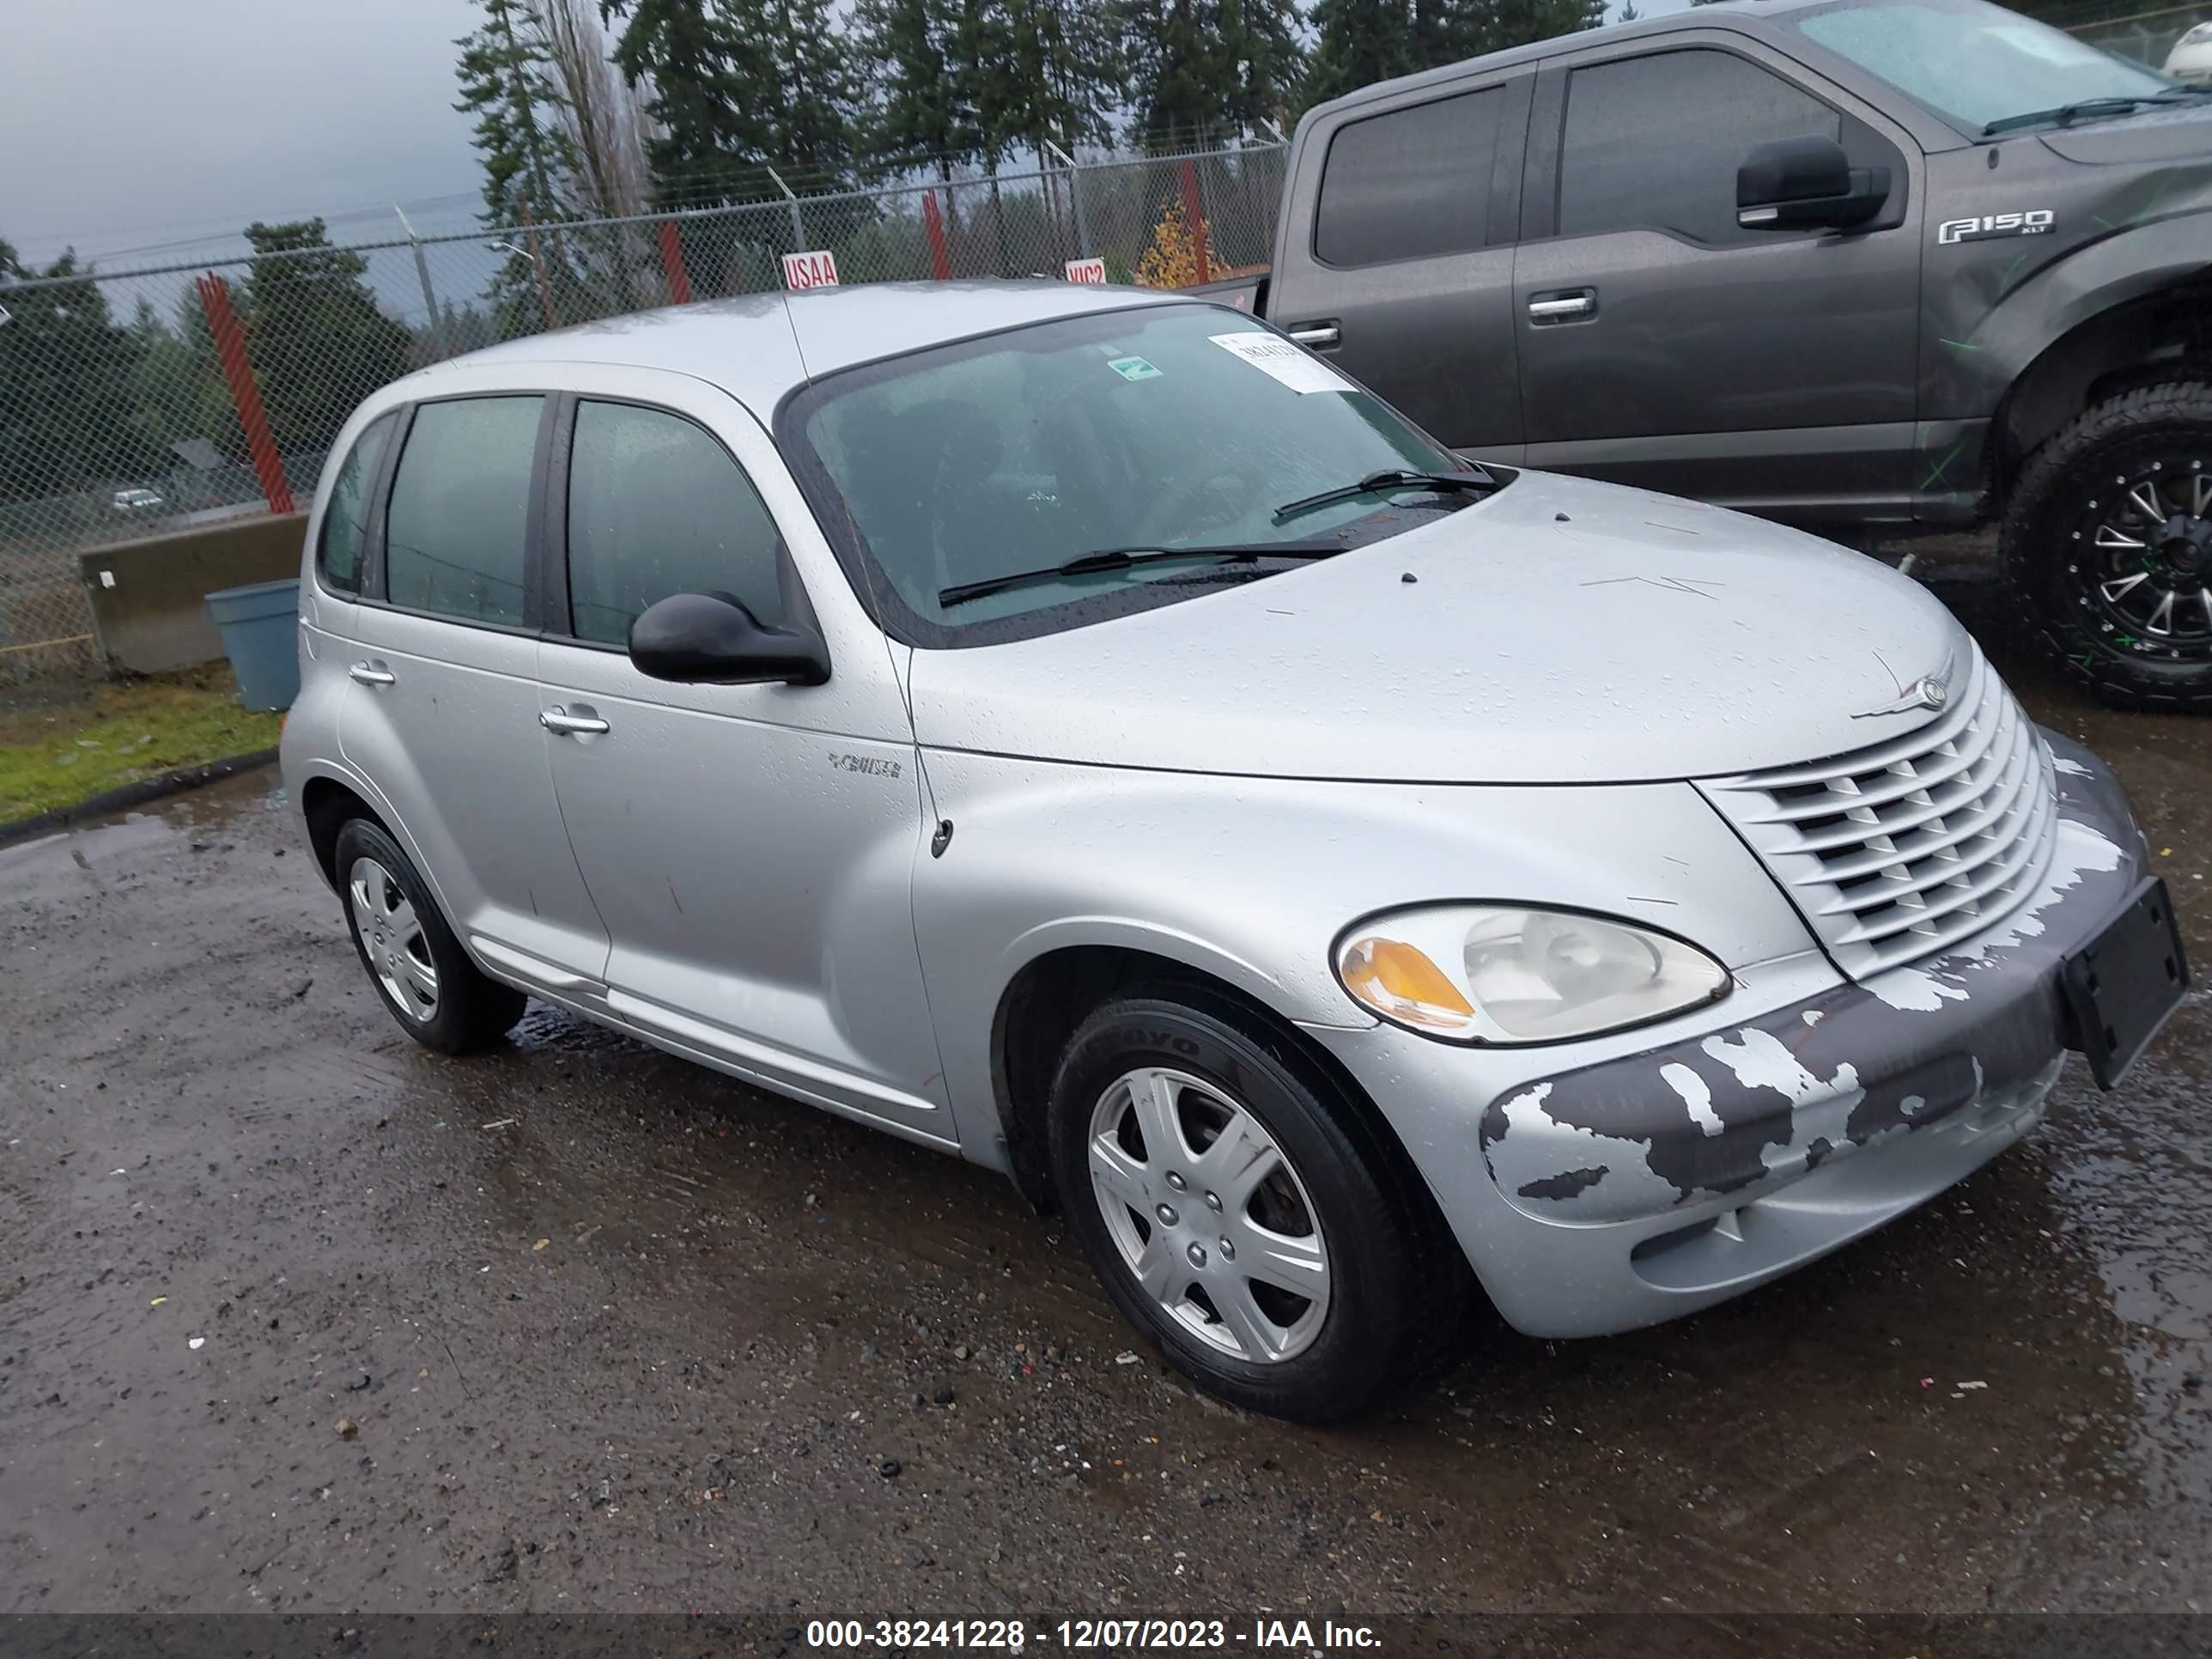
{"type": "Point", "coordinates": [1873, 266]}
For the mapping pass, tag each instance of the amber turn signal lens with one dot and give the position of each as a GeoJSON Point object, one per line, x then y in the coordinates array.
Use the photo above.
{"type": "Point", "coordinates": [1395, 979]}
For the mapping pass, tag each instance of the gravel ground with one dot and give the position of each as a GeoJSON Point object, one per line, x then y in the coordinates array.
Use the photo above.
{"type": "Point", "coordinates": [296, 1316]}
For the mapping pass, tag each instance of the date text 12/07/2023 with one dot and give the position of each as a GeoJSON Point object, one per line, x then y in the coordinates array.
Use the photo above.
{"type": "Point", "coordinates": [1012, 1634]}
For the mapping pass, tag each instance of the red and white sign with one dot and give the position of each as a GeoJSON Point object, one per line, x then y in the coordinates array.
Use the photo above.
{"type": "Point", "coordinates": [1087, 271]}
{"type": "Point", "coordinates": [805, 270]}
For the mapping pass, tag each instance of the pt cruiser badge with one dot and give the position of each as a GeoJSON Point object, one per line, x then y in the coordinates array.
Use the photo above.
{"type": "Point", "coordinates": [1928, 691]}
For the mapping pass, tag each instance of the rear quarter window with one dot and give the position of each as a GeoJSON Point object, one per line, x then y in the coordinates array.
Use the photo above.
{"type": "Point", "coordinates": [345, 519]}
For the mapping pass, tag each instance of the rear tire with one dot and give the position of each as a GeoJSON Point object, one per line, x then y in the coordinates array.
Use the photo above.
{"type": "Point", "coordinates": [2108, 547]}
{"type": "Point", "coordinates": [436, 993]}
{"type": "Point", "coordinates": [1239, 1214]}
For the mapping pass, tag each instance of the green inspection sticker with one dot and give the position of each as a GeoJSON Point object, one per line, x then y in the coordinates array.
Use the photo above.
{"type": "Point", "coordinates": [1133, 368]}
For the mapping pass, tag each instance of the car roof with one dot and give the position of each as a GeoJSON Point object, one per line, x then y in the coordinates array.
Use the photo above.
{"type": "Point", "coordinates": [758, 347]}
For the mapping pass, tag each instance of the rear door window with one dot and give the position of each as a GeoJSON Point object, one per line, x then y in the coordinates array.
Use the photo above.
{"type": "Point", "coordinates": [346, 520]}
{"type": "Point", "coordinates": [456, 532]}
{"type": "Point", "coordinates": [1411, 184]}
{"type": "Point", "coordinates": [656, 507]}
{"type": "Point", "coordinates": [1654, 143]}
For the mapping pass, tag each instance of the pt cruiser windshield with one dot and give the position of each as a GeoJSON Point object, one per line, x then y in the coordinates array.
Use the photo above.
{"type": "Point", "coordinates": [1040, 452]}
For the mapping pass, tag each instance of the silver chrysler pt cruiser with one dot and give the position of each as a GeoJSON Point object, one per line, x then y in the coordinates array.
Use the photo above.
{"type": "Point", "coordinates": [1080, 730]}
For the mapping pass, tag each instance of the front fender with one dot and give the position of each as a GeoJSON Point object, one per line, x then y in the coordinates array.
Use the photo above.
{"type": "Point", "coordinates": [1250, 880]}
{"type": "Point", "coordinates": [1991, 317]}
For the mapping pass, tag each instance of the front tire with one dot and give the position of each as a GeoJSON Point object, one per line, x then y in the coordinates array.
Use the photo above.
{"type": "Point", "coordinates": [2108, 547]}
{"type": "Point", "coordinates": [1240, 1216]}
{"type": "Point", "coordinates": [436, 993]}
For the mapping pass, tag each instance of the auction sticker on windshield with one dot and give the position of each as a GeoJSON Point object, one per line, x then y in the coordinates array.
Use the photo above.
{"type": "Point", "coordinates": [1280, 359]}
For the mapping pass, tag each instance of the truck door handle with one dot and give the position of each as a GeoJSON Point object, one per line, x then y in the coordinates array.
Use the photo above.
{"type": "Point", "coordinates": [1317, 336]}
{"type": "Point", "coordinates": [1559, 307]}
{"type": "Point", "coordinates": [560, 722]}
{"type": "Point", "coordinates": [372, 673]}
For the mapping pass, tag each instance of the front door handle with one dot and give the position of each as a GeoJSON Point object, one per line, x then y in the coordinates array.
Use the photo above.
{"type": "Point", "coordinates": [560, 722]}
{"type": "Point", "coordinates": [1564, 307]}
{"type": "Point", "coordinates": [1317, 336]}
{"type": "Point", "coordinates": [372, 673]}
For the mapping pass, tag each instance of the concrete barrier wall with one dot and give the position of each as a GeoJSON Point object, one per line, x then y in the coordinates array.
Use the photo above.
{"type": "Point", "coordinates": [145, 595]}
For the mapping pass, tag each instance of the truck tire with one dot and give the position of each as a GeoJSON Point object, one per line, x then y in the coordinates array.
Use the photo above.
{"type": "Point", "coordinates": [2108, 547]}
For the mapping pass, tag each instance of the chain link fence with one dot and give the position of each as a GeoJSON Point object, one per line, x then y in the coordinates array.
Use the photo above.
{"type": "Point", "coordinates": [2143, 35]}
{"type": "Point", "coordinates": [139, 403]}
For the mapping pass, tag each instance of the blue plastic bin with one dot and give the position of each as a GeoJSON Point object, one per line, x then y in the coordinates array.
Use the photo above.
{"type": "Point", "coordinates": [260, 628]}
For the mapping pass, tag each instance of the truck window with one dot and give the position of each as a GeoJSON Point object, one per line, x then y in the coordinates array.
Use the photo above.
{"type": "Point", "coordinates": [1653, 142]}
{"type": "Point", "coordinates": [1411, 184]}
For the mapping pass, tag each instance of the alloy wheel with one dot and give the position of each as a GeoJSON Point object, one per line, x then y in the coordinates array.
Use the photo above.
{"type": "Point", "coordinates": [392, 939]}
{"type": "Point", "coordinates": [2142, 558]}
{"type": "Point", "coordinates": [1209, 1215]}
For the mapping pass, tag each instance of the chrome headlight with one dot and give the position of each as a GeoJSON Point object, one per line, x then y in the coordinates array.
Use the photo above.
{"type": "Point", "coordinates": [1496, 973]}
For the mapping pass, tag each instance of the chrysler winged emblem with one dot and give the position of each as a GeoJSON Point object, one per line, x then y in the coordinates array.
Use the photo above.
{"type": "Point", "coordinates": [1928, 691]}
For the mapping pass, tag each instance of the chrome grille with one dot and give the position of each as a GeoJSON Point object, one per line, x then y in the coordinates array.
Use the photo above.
{"type": "Point", "coordinates": [1907, 846]}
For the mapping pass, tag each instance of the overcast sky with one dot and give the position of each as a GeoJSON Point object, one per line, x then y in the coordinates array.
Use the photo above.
{"type": "Point", "coordinates": [130, 123]}
{"type": "Point", "coordinates": [148, 132]}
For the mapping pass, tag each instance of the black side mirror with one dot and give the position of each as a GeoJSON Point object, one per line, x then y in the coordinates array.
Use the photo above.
{"type": "Point", "coordinates": [710, 639]}
{"type": "Point", "coordinates": [1804, 184]}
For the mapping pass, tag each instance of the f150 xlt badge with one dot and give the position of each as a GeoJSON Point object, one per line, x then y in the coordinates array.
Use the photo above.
{"type": "Point", "coordinates": [2033, 223]}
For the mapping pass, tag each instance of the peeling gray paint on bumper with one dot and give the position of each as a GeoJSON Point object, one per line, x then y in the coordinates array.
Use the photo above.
{"type": "Point", "coordinates": [1741, 1112]}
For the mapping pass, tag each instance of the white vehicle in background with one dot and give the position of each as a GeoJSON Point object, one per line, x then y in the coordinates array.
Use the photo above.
{"type": "Point", "coordinates": [2191, 60]}
{"type": "Point", "coordinates": [134, 503]}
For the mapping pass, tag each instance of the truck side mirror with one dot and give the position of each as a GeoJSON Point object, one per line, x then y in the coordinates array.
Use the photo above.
{"type": "Point", "coordinates": [1802, 183]}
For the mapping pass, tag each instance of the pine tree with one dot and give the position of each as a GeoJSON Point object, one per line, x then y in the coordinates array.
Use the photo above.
{"type": "Point", "coordinates": [1361, 41]}
{"type": "Point", "coordinates": [737, 85]}
{"type": "Point", "coordinates": [1205, 70]}
{"type": "Point", "coordinates": [1061, 77]}
{"type": "Point", "coordinates": [1498, 24]}
{"type": "Point", "coordinates": [1265, 56]}
{"type": "Point", "coordinates": [808, 115]}
{"type": "Point", "coordinates": [922, 102]}
{"type": "Point", "coordinates": [317, 340]}
{"type": "Point", "coordinates": [66, 400]}
{"type": "Point", "coordinates": [509, 83]}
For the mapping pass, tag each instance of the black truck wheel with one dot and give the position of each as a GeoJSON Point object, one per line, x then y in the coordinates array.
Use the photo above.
{"type": "Point", "coordinates": [2108, 547]}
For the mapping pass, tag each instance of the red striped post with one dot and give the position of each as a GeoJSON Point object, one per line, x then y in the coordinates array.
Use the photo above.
{"type": "Point", "coordinates": [671, 261]}
{"type": "Point", "coordinates": [940, 257]}
{"type": "Point", "coordinates": [230, 350]}
{"type": "Point", "coordinates": [1193, 214]}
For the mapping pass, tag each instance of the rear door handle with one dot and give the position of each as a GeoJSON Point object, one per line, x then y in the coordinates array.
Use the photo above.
{"type": "Point", "coordinates": [372, 673]}
{"type": "Point", "coordinates": [1317, 336]}
{"type": "Point", "coordinates": [560, 721]}
{"type": "Point", "coordinates": [1563, 306]}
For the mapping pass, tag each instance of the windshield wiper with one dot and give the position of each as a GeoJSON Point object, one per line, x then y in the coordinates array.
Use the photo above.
{"type": "Point", "coordinates": [1390, 479]}
{"type": "Point", "coordinates": [2066, 115]}
{"type": "Point", "coordinates": [1121, 558]}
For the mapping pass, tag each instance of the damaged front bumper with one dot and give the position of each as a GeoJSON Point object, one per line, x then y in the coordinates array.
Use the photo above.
{"type": "Point", "coordinates": [1653, 1182]}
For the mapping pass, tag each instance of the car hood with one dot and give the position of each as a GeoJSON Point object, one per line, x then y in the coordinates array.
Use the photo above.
{"type": "Point", "coordinates": [2164, 133]}
{"type": "Point", "coordinates": [1558, 631]}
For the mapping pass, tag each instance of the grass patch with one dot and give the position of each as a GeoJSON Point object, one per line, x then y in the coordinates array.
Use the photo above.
{"type": "Point", "coordinates": [57, 748]}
